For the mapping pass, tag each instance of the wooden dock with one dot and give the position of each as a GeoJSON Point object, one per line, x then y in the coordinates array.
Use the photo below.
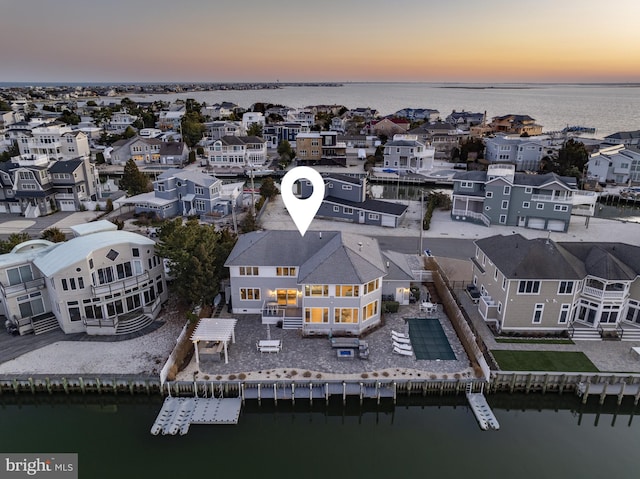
{"type": "Point", "coordinates": [604, 389]}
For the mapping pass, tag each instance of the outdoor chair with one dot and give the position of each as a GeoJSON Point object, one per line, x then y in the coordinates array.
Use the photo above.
{"type": "Point", "coordinates": [400, 339]}
{"type": "Point", "coordinates": [402, 352]}
{"type": "Point", "coordinates": [403, 346]}
{"type": "Point", "coordinates": [399, 335]}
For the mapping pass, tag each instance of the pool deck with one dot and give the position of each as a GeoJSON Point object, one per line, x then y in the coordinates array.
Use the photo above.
{"type": "Point", "coordinates": [313, 357]}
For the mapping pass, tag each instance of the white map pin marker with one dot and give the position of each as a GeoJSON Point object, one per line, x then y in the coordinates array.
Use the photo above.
{"type": "Point", "coordinates": [302, 211]}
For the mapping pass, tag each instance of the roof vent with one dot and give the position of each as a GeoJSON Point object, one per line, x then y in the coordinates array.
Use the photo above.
{"type": "Point", "coordinates": [320, 234]}
{"type": "Point", "coordinates": [360, 245]}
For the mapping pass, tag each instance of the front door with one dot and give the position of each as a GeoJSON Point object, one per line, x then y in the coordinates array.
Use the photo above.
{"type": "Point", "coordinates": [361, 217]}
{"type": "Point", "coordinates": [521, 221]}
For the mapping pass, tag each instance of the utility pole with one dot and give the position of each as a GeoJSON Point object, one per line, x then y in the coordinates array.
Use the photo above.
{"type": "Point", "coordinates": [421, 221]}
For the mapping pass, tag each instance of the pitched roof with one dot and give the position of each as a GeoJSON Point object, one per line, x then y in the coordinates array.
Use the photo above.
{"type": "Point", "coordinates": [377, 206]}
{"type": "Point", "coordinates": [66, 166]}
{"type": "Point", "coordinates": [172, 148]}
{"type": "Point", "coordinates": [343, 178]}
{"type": "Point", "coordinates": [520, 258]}
{"type": "Point", "coordinates": [607, 260]}
{"type": "Point", "coordinates": [330, 257]}
{"type": "Point", "coordinates": [397, 266]}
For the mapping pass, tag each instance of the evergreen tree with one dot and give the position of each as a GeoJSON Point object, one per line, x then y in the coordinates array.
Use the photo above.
{"type": "Point", "coordinates": [133, 181]}
{"type": "Point", "coordinates": [14, 239]}
{"type": "Point", "coordinates": [268, 188]}
{"type": "Point", "coordinates": [53, 234]}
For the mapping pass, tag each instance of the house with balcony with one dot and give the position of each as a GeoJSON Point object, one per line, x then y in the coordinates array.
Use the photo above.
{"type": "Point", "coordinates": [345, 199]}
{"type": "Point", "coordinates": [442, 137]}
{"type": "Point", "coordinates": [582, 289]}
{"type": "Point", "coordinates": [178, 192]}
{"type": "Point", "coordinates": [276, 133]}
{"type": "Point", "coordinates": [56, 141]}
{"type": "Point", "coordinates": [325, 283]}
{"type": "Point", "coordinates": [119, 122]}
{"type": "Point", "coordinates": [218, 129]}
{"type": "Point", "coordinates": [500, 196]}
{"type": "Point", "coordinates": [170, 120]}
{"type": "Point", "coordinates": [465, 119]}
{"type": "Point", "coordinates": [141, 150]}
{"type": "Point", "coordinates": [417, 114]}
{"type": "Point", "coordinates": [626, 138]}
{"type": "Point", "coordinates": [320, 148]}
{"type": "Point", "coordinates": [524, 153]}
{"type": "Point", "coordinates": [406, 154]}
{"type": "Point", "coordinates": [101, 282]}
{"type": "Point", "coordinates": [615, 164]}
{"type": "Point", "coordinates": [235, 153]}
{"type": "Point", "coordinates": [515, 125]}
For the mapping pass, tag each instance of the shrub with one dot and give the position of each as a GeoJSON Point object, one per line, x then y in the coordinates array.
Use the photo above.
{"type": "Point", "coordinates": [390, 306]}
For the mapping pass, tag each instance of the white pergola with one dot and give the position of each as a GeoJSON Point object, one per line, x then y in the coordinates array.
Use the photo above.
{"type": "Point", "coordinates": [214, 329]}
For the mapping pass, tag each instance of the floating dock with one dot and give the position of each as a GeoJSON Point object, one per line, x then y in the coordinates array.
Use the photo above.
{"type": "Point", "coordinates": [177, 414]}
{"type": "Point", "coordinates": [482, 411]}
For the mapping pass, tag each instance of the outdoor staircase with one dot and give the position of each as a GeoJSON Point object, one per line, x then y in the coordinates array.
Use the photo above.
{"type": "Point", "coordinates": [133, 323]}
{"type": "Point", "coordinates": [291, 323]}
{"type": "Point", "coordinates": [631, 334]}
{"type": "Point", "coordinates": [586, 334]}
{"type": "Point", "coordinates": [44, 323]}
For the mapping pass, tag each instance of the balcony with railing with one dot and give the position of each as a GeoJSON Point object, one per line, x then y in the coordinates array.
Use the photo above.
{"type": "Point", "coordinates": [488, 308]}
{"type": "Point", "coordinates": [272, 312]}
{"type": "Point", "coordinates": [467, 214]}
{"type": "Point", "coordinates": [608, 294]}
{"type": "Point", "coordinates": [22, 288]}
{"type": "Point", "coordinates": [553, 198]}
{"type": "Point", "coordinates": [119, 285]}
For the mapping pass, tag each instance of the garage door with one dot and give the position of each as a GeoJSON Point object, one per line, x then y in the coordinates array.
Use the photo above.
{"type": "Point", "coordinates": [536, 223]}
{"type": "Point", "coordinates": [556, 225]}
{"type": "Point", "coordinates": [67, 205]}
{"type": "Point", "coordinates": [388, 220]}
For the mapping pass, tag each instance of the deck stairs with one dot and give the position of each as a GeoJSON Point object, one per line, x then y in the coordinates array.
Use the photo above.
{"type": "Point", "coordinates": [44, 323]}
{"type": "Point", "coordinates": [291, 323]}
{"type": "Point", "coordinates": [586, 334]}
{"type": "Point", "coordinates": [133, 323]}
{"type": "Point", "coordinates": [630, 333]}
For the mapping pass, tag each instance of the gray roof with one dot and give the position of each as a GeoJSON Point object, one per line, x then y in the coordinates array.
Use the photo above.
{"type": "Point", "coordinates": [344, 178]}
{"type": "Point", "coordinates": [377, 206]}
{"type": "Point", "coordinates": [607, 260]}
{"type": "Point", "coordinates": [520, 258]}
{"type": "Point", "coordinates": [476, 175]}
{"type": "Point", "coordinates": [66, 166]}
{"type": "Point", "coordinates": [172, 148]}
{"type": "Point", "coordinates": [330, 257]}
{"type": "Point", "coordinates": [397, 266]}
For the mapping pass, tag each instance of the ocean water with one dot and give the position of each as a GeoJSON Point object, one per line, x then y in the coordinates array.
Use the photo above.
{"type": "Point", "coordinates": [607, 107]}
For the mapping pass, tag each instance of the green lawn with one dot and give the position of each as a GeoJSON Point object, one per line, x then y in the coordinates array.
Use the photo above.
{"type": "Point", "coordinates": [569, 361]}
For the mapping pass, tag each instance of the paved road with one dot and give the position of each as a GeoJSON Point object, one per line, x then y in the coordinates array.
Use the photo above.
{"type": "Point", "coordinates": [457, 248]}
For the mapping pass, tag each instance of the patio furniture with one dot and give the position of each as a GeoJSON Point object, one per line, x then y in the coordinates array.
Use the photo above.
{"type": "Point", "coordinates": [400, 339]}
{"type": "Point", "coordinates": [402, 352]}
{"type": "Point", "coordinates": [269, 345]}
{"type": "Point", "coordinates": [403, 346]}
{"type": "Point", "coordinates": [345, 342]}
{"type": "Point", "coordinates": [399, 335]}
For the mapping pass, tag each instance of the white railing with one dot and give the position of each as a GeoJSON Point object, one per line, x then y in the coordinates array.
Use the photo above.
{"type": "Point", "coordinates": [65, 196]}
{"type": "Point", "coordinates": [119, 285]}
{"type": "Point", "coordinates": [555, 199]}
{"type": "Point", "coordinates": [469, 214]}
{"type": "Point", "coordinates": [27, 286]}
{"type": "Point", "coordinates": [603, 294]}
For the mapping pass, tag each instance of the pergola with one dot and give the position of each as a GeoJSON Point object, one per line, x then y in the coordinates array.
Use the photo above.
{"type": "Point", "coordinates": [214, 329]}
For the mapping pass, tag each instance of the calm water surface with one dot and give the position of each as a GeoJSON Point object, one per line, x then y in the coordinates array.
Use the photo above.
{"type": "Point", "coordinates": [540, 436]}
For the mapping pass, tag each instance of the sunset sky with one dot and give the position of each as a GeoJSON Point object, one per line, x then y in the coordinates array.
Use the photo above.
{"type": "Point", "coordinates": [325, 40]}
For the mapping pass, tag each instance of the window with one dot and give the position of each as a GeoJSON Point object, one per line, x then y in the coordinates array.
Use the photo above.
{"type": "Point", "coordinates": [537, 313]}
{"type": "Point", "coordinates": [347, 187]}
{"type": "Point", "coordinates": [489, 194]}
{"type": "Point", "coordinates": [316, 290]}
{"type": "Point", "coordinates": [285, 271]}
{"type": "Point", "coordinates": [135, 252]}
{"type": "Point", "coordinates": [503, 219]}
{"type": "Point", "coordinates": [565, 287]}
{"type": "Point", "coordinates": [344, 290]}
{"type": "Point", "coordinates": [199, 190]}
{"type": "Point", "coordinates": [370, 310]}
{"type": "Point", "coordinates": [540, 206]}
{"type": "Point", "coordinates": [19, 275]}
{"type": "Point", "coordinates": [560, 207]}
{"type": "Point", "coordinates": [316, 315]}
{"type": "Point", "coordinates": [30, 304]}
{"type": "Point", "coordinates": [564, 313]}
{"type": "Point", "coordinates": [504, 284]}
{"type": "Point", "coordinates": [374, 216]}
{"type": "Point", "coordinates": [466, 184]}
{"type": "Point", "coordinates": [105, 275]}
{"type": "Point", "coordinates": [495, 273]}
{"type": "Point", "coordinates": [200, 205]}
{"type": "Point", "coordinates": [90, 263]}
{"type": "Point", "coordinates": [250, 294]}
{"type": "Point", "coordinates": [112, 254]}
{"type": "Point", "coordinates": [371, 286]}
{"type": "Point", "coordinates": [347, 211]}
{"type": "Point", "coordinates": [160, 187]}
{"type": "Point", "coordinates": [74, 311]}
{"type": "Point", "coordinates": [499, 306]}
{"type": "Point", "coordinates": [528, 190]}
{"type": "Point", "coordinates": [506, 190]}
{"type": "Point", "coordinates": [526, 204]}
{"type": "Point", "coordinates": [124, 270]}
{"type": "Point", "coordinates": [528, 287]}
{"type": "Point", "coordinates": [248, 271]}
{"type": "Point", "coordinates": [610, 313]}
{"type": "Point", "coordinates": [346, 315]}
{"type": "Point", "coordinates": [336, 209]}
{"type": "Point", "coordinates": [505, 204]}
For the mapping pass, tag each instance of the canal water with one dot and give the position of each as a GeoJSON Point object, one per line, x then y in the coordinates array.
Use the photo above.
{"type": "Point", "coordinates": [540, 436]}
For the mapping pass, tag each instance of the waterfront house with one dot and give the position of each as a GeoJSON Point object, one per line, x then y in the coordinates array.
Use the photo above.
{"type": "Point", "coordinates": [119, 122]}
{"type": "Point", "coordinates": [237, 152]}
{"type": "Point", "coordinates": [102, 282]}
{"type": "Point", "coordinates": [345, 199]}
{"type": "Point", "coordinates": [320, 148]}
{"type": "Point", "coordinates": [326, 282]}
{"type": "Point", "coordinates": [615, 164]}
{"type": "Point", "coordinates": [524, 153]}
{"type": "Point", "coordinates": [388, 127]}
{"type": "Point", "coordinates": [141, 150]}
{"type": "Point", "coordinates": [442, 137]}
{"type": "Point", "coordinates": [187, 192]}
{"type": "Point", "coordinates": [170, 119]}
{"type": "Point", "coordinates": [626, 138]}
{"type": "Point", "coordinates": [417, 114]}
{"type": "Point", "coordinates": [56, 141]}
{"type": "Point", "coordinates": [276, 133]}
{"type": "Point", "coordinates": [217, 129]}
{"type": "Point", "coordinates": [408, 155]}
{"type": "Point", "coordinates": [588, 290]}
{"type": "Point", "coordinates": [502, 196]}
{"type": "Point", "coordinates": [250, 118]}
{"type": "Point", "coordinates": [515, 124]}
{"type": "Point", "coordinates": [465, 119]}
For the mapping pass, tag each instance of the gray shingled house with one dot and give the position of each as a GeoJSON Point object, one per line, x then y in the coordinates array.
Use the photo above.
{"type": "Point", "coordinates": [324, 283]}
{"type": "Point", "coordinates": [345, 198]}
{"type": "Point", "coordinates": [588, 290]}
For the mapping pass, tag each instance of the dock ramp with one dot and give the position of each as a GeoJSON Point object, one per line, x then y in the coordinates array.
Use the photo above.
{"type": "Point", "coordinates": [177, 414]}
